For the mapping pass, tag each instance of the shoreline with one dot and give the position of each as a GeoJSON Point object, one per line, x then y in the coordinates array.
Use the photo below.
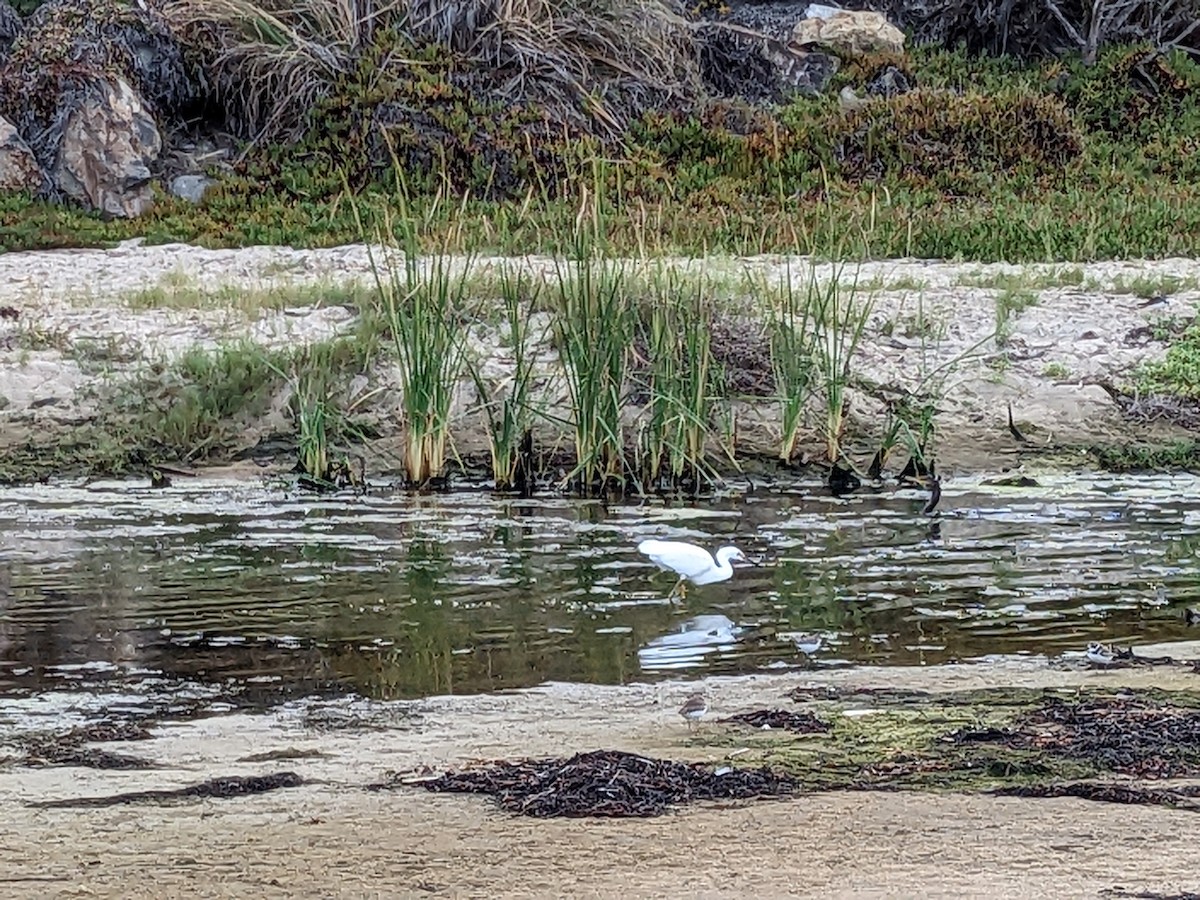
{"type": "Point", "coordinates": [88, 322]}
{"type": "Point", "coordinates": [407, 840]}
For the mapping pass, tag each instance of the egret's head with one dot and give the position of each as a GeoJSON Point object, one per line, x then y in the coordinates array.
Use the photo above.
{"type": "Point", "coordinates": [731, 555]}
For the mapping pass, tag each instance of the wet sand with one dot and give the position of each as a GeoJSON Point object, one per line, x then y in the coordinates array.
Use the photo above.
{"type": "Point", "coordinates": [333, 838]}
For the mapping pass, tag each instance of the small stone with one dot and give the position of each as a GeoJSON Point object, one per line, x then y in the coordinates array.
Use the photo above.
{"type": "Point", "coordinates": [191, 187]}
{"type": "Point", "coordinates": [852, 33]}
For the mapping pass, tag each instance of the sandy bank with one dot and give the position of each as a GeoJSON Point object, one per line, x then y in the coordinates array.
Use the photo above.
{"type": "Point", "coordinates": [83, 323]}
{"type": "Point", "coordinates": [332, 838]}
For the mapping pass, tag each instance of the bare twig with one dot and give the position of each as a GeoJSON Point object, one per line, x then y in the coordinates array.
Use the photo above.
{"type": "Point", "coordinates": [1072, 32]}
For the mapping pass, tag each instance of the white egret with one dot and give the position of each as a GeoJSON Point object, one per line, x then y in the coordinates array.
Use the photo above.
{"type": "Point", "coordinates": [691, 563]}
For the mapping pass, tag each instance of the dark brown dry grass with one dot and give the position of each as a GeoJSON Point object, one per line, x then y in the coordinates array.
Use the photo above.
{"type": "Point", "coordinates": [589, 64]}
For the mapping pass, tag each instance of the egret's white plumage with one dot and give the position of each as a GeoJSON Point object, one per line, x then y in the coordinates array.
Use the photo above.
{"type": "Point", "coordinates": [691, 563]}
{"type": "Point", "coordinates": [808, 644]}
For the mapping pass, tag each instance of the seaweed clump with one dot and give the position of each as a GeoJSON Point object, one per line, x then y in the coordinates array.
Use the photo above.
{"type": "Point", "coordinates": [781, 720]}
{"type": "Point", "coordinates": [608, 783]}
{"type": "Point", "coordinates": [67, 749]}
{"type": "Point", "coordinates": [1135, 737]}
{"type": "Point", "coordinates": [223, 788]}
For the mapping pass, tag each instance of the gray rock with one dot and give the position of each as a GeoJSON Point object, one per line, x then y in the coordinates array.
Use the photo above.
{"type": "Point", "coordinates": [191, 187]}
{"type": "Point", "coordinates": [801, 71]}
{"type": "Point", "coordinates": [109, 142]}
{"type": "Point", "coordinates": [19, 169]}
{"type": "Point", "coordinates": [891, 82]}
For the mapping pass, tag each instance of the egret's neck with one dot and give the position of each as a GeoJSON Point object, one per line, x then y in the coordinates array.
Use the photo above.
{"type": "Point", "coordinates": [723, 556]}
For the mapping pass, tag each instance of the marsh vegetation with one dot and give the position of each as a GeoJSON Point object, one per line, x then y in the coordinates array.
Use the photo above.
{"type": "Point", "coordinates": [441, 135]}
{"type": "Point", "coordinates": [503, 117]}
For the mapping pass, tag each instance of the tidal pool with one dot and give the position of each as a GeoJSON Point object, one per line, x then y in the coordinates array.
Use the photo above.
{"type": "Point", "coordinates": [213, 589]}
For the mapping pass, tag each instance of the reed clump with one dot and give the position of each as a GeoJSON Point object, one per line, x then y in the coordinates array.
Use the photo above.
{"type": "Point", "coordinates": [679, 384]}
{"type": "Point", "coordinates": [508, 402]}
{"type": "Point", "coordinates": [321, 422]}
{"type": "Point", "coordinates": [423, 303]}
{"type": "Point", "coordinates": [841, 316]}
{"type": "Point", "coordinates": [594, 322]}
{"type": "Point", "coordinates": [793, 317]}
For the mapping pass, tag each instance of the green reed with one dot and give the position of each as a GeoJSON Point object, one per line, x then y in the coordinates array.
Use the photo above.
{"type": "Point", "coordinates": [506, 401]}
{"type": "Point", "coordinates": [792, 321]}
{"type": "Point", "coordinates": [422, 303]}
{"type": "Point", "coordinates": [312, 423]}
{"type": "Point", "coordinates": [680, 406]}
{"type": "Point", "coordinates": [842, 322]}
{"type": "Point", "coordinates": [594, 323]}
{"type": "Point", "coordinates": [320, 420]}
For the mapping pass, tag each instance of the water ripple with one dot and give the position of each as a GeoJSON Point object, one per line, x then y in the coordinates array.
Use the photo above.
{"type": "Point", "coordinates": [396, 595]}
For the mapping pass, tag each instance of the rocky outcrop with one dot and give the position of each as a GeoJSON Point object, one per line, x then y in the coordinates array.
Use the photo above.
{"type": "Point", "coordinates": [791, 47]}
{"type": "Point", "coordinates": [86, 83]}
{"type": "Point", "coordinates": [109, 143]}
{"type": "Point", "coordinates": [19, 169]}
{"type": "Point", "coordinates": [848, 33]}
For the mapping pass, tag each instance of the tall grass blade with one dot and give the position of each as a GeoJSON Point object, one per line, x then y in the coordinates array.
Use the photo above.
{"type": "Point", "coordinates": [593, 328]}
{"type": "Point", "coordinates": [507, 402]}
{"type": "Point", "coordinates": [793, 319]}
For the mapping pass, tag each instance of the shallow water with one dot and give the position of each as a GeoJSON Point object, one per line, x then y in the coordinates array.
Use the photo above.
{"type": "Point", "coordinates": [211, 589]}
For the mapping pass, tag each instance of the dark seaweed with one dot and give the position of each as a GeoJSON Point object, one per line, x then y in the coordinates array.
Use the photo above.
{"type": "Point", "coordinates": [216, 788]}
{"type": "Point", "coordinates": [608, 783]}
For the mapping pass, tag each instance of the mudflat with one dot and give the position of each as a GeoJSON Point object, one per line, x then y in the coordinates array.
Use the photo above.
{"type": "Point", "coordinates": [333, 837]}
